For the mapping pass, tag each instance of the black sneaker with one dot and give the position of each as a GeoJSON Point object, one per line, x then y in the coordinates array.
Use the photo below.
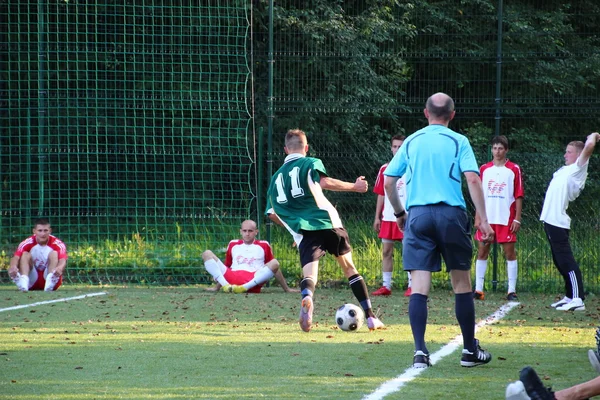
{"type": "Point", "coordinates": [421, 360]}
{"type": "Point", "coordinates": [479, 357]}
{"type": "Point", "coordinates": [534, 386]}
{"type": "Point", "coordinates": [512, 296]}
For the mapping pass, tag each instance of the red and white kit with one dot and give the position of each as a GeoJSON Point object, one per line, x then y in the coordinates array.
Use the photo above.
{"type": "Point", "coordinates": [501, 186]}
{"type": "Point", "coordinates": [39, 256]}
{"type": "Point", "coordinates": [389, 228]}
{"type": "Point", "coordinates": [243, 260]}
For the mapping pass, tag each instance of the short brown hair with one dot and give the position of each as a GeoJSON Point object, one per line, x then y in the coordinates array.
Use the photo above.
{"type": "Point", "coordinates": [398, 137]}
{"type": "Point", "coordinates": [578, 144]}
{"type": "Point", "coordinates": [295, 139]}
{"type": "Point", "coordinates": [500, 139]}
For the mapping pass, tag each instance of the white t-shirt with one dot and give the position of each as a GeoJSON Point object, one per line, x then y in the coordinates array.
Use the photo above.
{"type": "Point", "coordinates": [565, 186]}
{"type": "Point", "coordinates": [502, 185]}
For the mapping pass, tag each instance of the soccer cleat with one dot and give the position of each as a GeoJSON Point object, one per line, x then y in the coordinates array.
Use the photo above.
{"type": "Point", "coordinates": [421, 360]}
{"type": "Point", "coordinates": [561, 302]}
{"type": "Point", "coordinates": [512, 296]}
{"type": "Point", "coordinates": [227, 288]}
{"type": "Point", "coordinates": [374, 323]}
{"type": "Point", "coordinates": [306, 312]}
{"type": "Point", "coordinates": [516, 391]}
{"type": "Point", "coordinates": [408, 292]}
{"type": "Point", "coordinates": [478, 295]}
{"type": "Point", "coordinates": [574, 305]}
{"type": "Point", "coordinates": [382, 291]}
{"type": "Point", "coordinates": [238, 289]}
{"type": "Point", "coordinates": [594, 355]}
{"type": "Point", "coordinates": [533, 385]}
{"type": "Point", "coordinates": [479, 357]}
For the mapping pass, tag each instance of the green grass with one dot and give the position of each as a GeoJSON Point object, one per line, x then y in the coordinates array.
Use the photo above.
{"type": "Point", "coordinates": [182, 342]}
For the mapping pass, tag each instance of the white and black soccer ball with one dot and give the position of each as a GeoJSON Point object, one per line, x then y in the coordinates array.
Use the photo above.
{"type": "Point", "coordinates": [349, 317]}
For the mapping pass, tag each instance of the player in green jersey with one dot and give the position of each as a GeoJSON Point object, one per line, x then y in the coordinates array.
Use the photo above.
{"type": "Point", "coordinates": [296, 201]}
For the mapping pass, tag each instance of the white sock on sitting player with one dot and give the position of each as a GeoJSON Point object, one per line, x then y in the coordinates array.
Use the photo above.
{"type": "Point", "coordinates": [480, 268]}
{"type": "Point", "coordinates": [511, 271]}
{"type": "Point", "coordinates": [51, 281]}
{"type": "Point", "coordinates": [409, 279]}
{"type": "Point", "coordinates": [260, 277]}
{"type": "Point", "coordinates": [213, 268]}
{"type": "Point", "coordinates": [23, 283]}
{"type": "Point", "coordinates": [387, 280]}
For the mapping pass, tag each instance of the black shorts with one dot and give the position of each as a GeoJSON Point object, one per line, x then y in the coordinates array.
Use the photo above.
{"type": "Point", "coordinates": [315, 244]}
{"type": "Point", "coordinates": [434, 232]}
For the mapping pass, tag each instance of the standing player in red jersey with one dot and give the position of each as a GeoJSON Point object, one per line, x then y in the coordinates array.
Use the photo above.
{"type": "Point", "coordinates": [249, 263]}
{"type": "Point", "coordinates": [503, 192]}
{"type": "Point", "coordinates": [40, 260]}
{"type": "Point", "coordinates": [385, 224]}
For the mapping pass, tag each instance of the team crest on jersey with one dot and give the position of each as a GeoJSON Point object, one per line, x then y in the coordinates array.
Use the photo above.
{"type": "Point", "coordinates": [495, 188]}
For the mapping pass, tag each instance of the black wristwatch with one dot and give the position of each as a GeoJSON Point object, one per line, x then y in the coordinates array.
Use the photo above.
{"type": "Point", "coordinates": [400, 214]}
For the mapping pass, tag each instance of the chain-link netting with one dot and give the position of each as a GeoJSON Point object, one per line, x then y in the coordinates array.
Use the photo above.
{"type": "Point", "coordinates": [130, 125]}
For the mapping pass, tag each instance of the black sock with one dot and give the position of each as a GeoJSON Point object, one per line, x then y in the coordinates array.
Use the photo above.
{"type": "Point", "coordinates": [417, 315]}
{"type": "Point", "coordinates": [359, 289]}
{"type": "Point", "coordinates": [464, 308]}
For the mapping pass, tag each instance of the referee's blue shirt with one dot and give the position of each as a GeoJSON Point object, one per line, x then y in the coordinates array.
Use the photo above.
{"type": "Point", "coordinates": [434, 159]}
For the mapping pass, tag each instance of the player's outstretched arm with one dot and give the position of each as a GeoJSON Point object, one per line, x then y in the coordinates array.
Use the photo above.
{"type": "Point", "coordinates": [336, 185]}
{"type": "Point", "coordinates": [588, 148]}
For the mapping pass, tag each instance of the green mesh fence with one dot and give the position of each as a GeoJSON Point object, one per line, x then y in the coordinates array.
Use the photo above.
{"type": "Point", "coordinates": [127, 125]}
{"type": "Point", "coordinates": [131, 126]}
{"type": "Point", "coordinates": [352, 74]}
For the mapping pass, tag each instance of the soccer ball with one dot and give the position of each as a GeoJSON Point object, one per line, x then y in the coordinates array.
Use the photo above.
{"type": "Point", "coordinates": [349, 317]}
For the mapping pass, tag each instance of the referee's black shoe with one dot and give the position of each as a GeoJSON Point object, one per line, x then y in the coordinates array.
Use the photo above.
{"type": "Point", "coordinates": [473, 359]}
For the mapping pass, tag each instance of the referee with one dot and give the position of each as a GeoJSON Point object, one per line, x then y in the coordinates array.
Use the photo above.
{"type": "Point", "coordinates": [434, 160]}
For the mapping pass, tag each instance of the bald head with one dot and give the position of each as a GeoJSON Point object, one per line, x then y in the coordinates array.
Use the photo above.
{"type": "Point", "coordinates": [439, 107]}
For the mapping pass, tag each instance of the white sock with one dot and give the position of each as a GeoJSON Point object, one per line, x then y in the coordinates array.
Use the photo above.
{"type": "Point", "coordinates": [23, 283]}
{"type": "Point", "coordinates": [480, 268]}
{"type": "Point", "coordinates": [260, 277]}
{"type": "Point", "coordinates": [409, 279]}
{"type": "Point", "coordinates": [387, 280]}
{"type": "Point", "coordinates": [51, 281]}
{"type": "Point", "coordinates": [213, 268]}
{"type": "Point", "coordinates": [512, 270]}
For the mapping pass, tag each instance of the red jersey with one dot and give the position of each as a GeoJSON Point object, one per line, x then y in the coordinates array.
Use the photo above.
{"type": "Point", "coordinates": [248, 257]}
{"type": "Point", "coordinates": [39, 253]}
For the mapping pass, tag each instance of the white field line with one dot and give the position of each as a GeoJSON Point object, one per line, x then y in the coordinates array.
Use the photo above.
{"type": "Point", "coordinates": [41, 303]}
{"type": "Point", "coordinates": [394, 385]}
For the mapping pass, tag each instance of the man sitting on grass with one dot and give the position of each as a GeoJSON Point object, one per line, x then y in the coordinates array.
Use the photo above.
{"type": "Point", "coordinates": [249, 264]}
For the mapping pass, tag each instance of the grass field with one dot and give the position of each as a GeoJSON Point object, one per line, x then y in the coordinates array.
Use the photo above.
{"type": "Point", "coordinates": [185, 343]}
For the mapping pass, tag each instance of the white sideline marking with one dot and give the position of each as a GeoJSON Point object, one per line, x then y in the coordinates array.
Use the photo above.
{"type": "Point", "coordinates": [393, 385]}
{"type": "Point", "coordinates": [40, 303]}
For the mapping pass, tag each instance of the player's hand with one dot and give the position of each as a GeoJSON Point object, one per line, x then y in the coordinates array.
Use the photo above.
{"type": "Point", "coordinates": [487, 233]}
{"type": "Point", "coordinates": [594, 135]}
{"type": "Point", "coordinates": [12, 272]}
{"type": "Point", "coordinates": [514, 227]}
{"type": "Point", "coordinates": [361, 185]}
{"type": "Point", "coordinates": [477, 222]}
{"type": "Point", "coordinates": [377, 225]}
{"type": "Point", "coordinates": [401, 221]}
